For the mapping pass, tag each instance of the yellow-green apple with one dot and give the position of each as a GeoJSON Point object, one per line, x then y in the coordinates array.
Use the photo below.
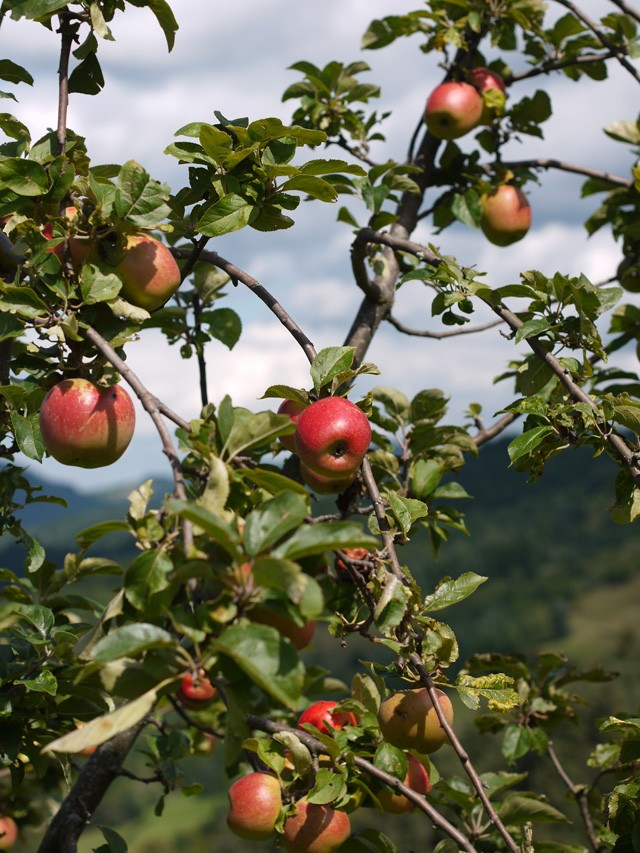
{"type": "Point", "coordinates": [506, 215]}
{"type": "Point", "coordinates": [417, 779]}
{"type": "Point", "coordinates": [149, 272]}
{"type": "Point", "coordinates": [331, 438]}
{"type": "Point", "coordinates": [453, 109]}
{"type": "Point", "coordinates": [8, 832]}
{"type": "Point", "coordinates": [409, 720]}
{"type": "Point", "coordinates": [485, 80]}
{"type": "Point", "coordinates": [315, 829]}
{"type": "Point", "coordinates": [196, 692]}
{"type": "Point", "coordinates": [294, 409]}
{"type": "Point", "coordinates": [85, 425]}
{"type": "Point", "coordinates": [255, 801]}
{"type": "Point", "coordinates": [322, 712]}
{"type": "Point", "coordinates": [269, 614]}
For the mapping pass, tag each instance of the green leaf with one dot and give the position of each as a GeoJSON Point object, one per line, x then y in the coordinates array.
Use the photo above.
{"type": "Point", "coordinates": [91, 534]}
{"type": "Point", "coordinates": [528, 441]}
{"type": "Point", "coordinates": [131, 640]}
{"type": "Point", "coordinates": [14, 73]}
{"type": "Point", "coordinates": [262, 654]}
{"type": "Point", "coordinates": [624, 131]}
{"type": "Point", "coordinates": [23, 177]}
{"type": "Point", "coordinates": [324, 536]}
{"type": "Point", "coordinates": [139, 199]}
{"type": "Point", "coordinates": [87, 77]}
{"type": "Point", "coordinates": [40, 617]}
{"type": "Point", "coordinates": [22, 301]}
{"type": "Point", "coordinates": [147, 574]}
{"type": "Point", "coordinates": [27, 434]}
{"type": "Point", "coordinates": [532, 328]}
{"type": "Point", "coordinates": [43, 682]}
{"type": "Point", "coordinates": [312, 186]}
{"type": "Point", "coordinates": [222, 533]}
{"type": "Point", "coordinates": [406, 510]}
{"type": "Point", "coordinates": [450, 591]}
{"type": "Point", "coordinates": [266, 525]}
{"type": "Point", "coordinates": [224, 325]}
{"type": "Point", "coordinates": [165, 18]}
{"type": "Point", "coordinates": [391, 604]}
{"type": "Point", "coordinates": [252, 432]}
{"type": "Point", "coordinates": [328, 363]}
{"type": "Point", "coordinates": [229, 213]}
{"type": "Point", "coordinates": [497, 689]}
{"type": "Point", "coordinates": [518, 808]}
{"type": "Point", "coordinates": [328, 787]}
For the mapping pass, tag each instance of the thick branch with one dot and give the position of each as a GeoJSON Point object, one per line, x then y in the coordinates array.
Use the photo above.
{"type": "Point", "coordinates": [96, 776]}
{"type": "Point", "coordinates": [462, 754]}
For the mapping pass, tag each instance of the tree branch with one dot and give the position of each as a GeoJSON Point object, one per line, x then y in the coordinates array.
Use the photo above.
{"type": "Point", "coordinates": [580, 795]}
{"type": "Point", "coordinates": [550, 163]}
{"type": "Point", "coordinates": [452, 333]}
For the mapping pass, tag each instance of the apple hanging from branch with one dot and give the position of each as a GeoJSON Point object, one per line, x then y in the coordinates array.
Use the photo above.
{"type": "Point", "coordinates": [417, 778]}
{"type": "Point", "coordinates": [506, 215]}
{"type": "Point", "coordinates": [315, 829]}
{"type": "Point", "coordinates": [8, 832]}
{"type": "Point", "coordinates": [255, 801]}
{"type": "Point", "coordinates": [196, 691]}
{"type": "Point", "coordinates": [453, 109]}
{"type": "Point", "coordinates": [85, 425]}
{"type": "Point", "coordinates": [409, 720]}
{"type": "Point", "coordinates": [322, 713]}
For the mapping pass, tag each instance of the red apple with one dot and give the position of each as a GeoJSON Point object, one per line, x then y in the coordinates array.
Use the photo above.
{"type": "Point", "coordinates": [326, 485]}
{"type": "Point", "coordinates": [294, 410]}
{"type": "Point", "coordinates": [350, 554]}
{"type": "Point", "coordinates": [196, 692]}
{"type": "Point", "coordinates": [506, 215]}
{"type": "Point", "coordinates": [484, 79]}
{"type": "Point", "coordinates": [453, 109]}
{"type": "Point", "coordinates": [149, 272]}
{"type": "Point", "coordinates": [321, 713]}
{"type": "Point", "coordinates": [408, 720]}
{"type": "Point", "coordinates": [315, 829]}
{"type": "Point", "coordinates": [417, 779]}
{"type": "Point", "coordinates": [8, 832]}
{"type": "Point", "coordinates": [331, 439]}
{"type": "Point", "coordinates": [86, 425]}
{"type": "Point", "coordinates": [255, 801]}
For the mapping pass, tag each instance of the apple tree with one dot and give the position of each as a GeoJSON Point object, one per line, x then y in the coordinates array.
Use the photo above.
{"type": "Point", "coordinates": [206, 635]}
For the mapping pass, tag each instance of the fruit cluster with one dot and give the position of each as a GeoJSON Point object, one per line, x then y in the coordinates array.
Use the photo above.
{"type": "Point", "coordinates": [331, 438]}
{"type": "Point", "coordinates": [453, 109]}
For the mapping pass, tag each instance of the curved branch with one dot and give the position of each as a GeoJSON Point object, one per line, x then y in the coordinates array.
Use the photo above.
{"type": "Point", "coordinates": [550, 163]}
{"type": "Point", "coordinates": [265, 725]}
{"type": "Point", "coordinates": [580, 794]}
{"type": "Point", "coordinates": [628, 10]}
{"type": "Point", "coordinates": [236, 274]}
{"type": "Point", "coordinates": [550, 65]}
{"type": "Point", "coordinates": [452, 333]}
{"type": "Point", "coordinates": [383, 524]}
{"type": "Point", "coordinates": [485, 434]}
{"type": "Point", "coordinates": [462, 754]}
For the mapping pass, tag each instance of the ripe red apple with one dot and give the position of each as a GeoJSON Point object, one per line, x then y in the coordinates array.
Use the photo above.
{"type": "Point", "coordinates": [506, 215]}
{"type": "Point", "coordinates": [485, 80]}
{"type": "Point", "coordinates": [294, 410]}
{"type": "Point", "coordinates": [315, 829]}
{"type": "Point", "coordinates": [149, 272]}
{"type": "Point", "coordinates": [299, 635]}
{"type": "Point", "coordinates": [326, 485]}
{"type": "Point", "coordinates": [453, 109]}
{"type": "Point", "coordinates": [8, 832]}
{"type": "Point", "coordinates": [255, 801]}
{"type": "Point", "coordinates": [331, 438]}
{"type": "Point", "coordinates": [198, 692]}
{"type": "Point", "coordinates": [85, 425]}
{"type": "Point", "coordinates": [408, 720]}
{"type": "Point", "coordinates": [321, 713]}
{"type": "Point", "coordinates": [417, 779]}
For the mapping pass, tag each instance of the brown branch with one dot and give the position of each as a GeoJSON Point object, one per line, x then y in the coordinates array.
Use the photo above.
{"type": "Point", "coordinates": [485, 434]}
{"type": "Point", "coordinates": [383, 524]}
{"type": "Point", "coordinates": [236, 274]}
{"type": "Point", "coordinates": [580, 794]}
{"type": "Point", "coordinates": [462, 754]}
{"type": "Point", "coordinates": [68, 32]}
{"type": "Point", "coordinates": [460, 330]}
{"type": "Point", "coordinates": [550, 163]}
{"type": "Point", "coordinates": [316, 746]}
{"type": "Point", "coordinates": [628, 10]}
{"type": "Point", "coordinates": [550, 65]}
{"type": "Point", "coordinates": [606, 42]}
{"type": "Point", "coordinates": [77, 809]}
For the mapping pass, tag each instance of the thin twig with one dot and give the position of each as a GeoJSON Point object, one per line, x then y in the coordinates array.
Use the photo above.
{"type": "Point", "coordinates": [551, 163]}
{"type": "Point", "coordinates": [383, 524]}
{"type": "Point", "coordinates": [68, 32]}
{"type": "Point", "coordinates": [580, 795]}
{"type": "Point", "coordinates": [462, 754]}
{"type": "Point", "coordinates": [451, 333]}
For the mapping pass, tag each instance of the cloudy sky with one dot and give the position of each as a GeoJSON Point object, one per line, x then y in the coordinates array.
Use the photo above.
{"type": "Point", "coordinates": [234, 57]}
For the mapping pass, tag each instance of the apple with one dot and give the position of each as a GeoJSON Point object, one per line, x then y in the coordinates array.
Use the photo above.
{"type": "Point", "coordinates": [294, 410]}
{"type": "Point", "coordinates": [255, 801]}
{"type": "Point", "coordinates": [149, 272]}
{"type": "Point", "coordinates": [408, 720]}
{"type": "Point", "coordinates": [299, 635]}
{"type": "Point", "coordinates": [315, 829]}
{"type": "Point", "coordinates": [196, 692]}
{"type": "Point", "coordinates": [506, 215]}
{"type": "Point", "coordinates": [78, 249]}
{"type": "Point", "coordinates": [8, 832]}
{"type": "Point", "coordinates": [417, 779]}
{"type": "Point", "coordinates": [85, 425]}
{"type": "Point", "coordinates": [453, 109]}
{"type": "Point", "coordinates": [326, 485]}
{"type": "Point", "coordinates": [486, 80]}
{"type": "Point", "coordinates": [331, 438]}
{"type": "Point", "coordinates": [321, 713]}
{"type": "Point", "coordinates": [350, 554]}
